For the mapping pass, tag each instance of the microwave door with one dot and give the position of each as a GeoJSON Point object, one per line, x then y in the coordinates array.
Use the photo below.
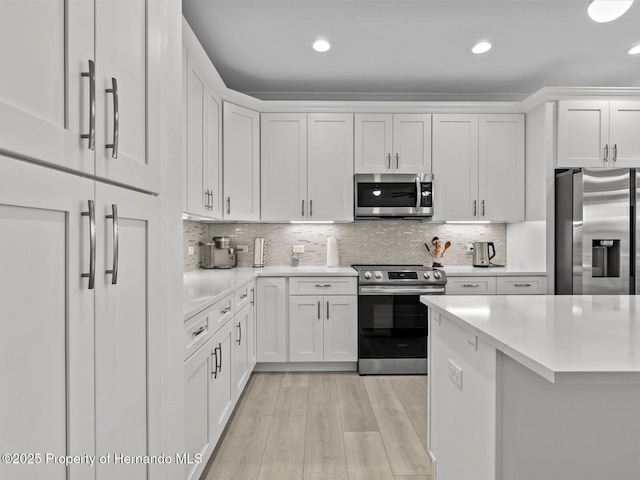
{"type": "Point", "coordinates": [406, 198]}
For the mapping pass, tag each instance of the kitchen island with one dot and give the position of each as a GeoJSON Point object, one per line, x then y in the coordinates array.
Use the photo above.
{"type": "Point", "coordinates": [534, 387]}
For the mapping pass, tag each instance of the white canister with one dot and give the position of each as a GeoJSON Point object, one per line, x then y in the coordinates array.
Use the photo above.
{"type": "Point", "coordinates": [332, 252]}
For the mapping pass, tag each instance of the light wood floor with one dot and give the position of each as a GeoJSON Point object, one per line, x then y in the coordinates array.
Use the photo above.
{"type": "Point", "coordinates": [326, 426]}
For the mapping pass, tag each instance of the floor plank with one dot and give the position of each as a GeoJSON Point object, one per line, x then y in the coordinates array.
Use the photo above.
{"type": "Point", "coordinates": [323, 387]}
{"type": "Point", "coordinates": [283, 457]}
{"type": "Point", "coordinates": [412, 392]}
{"type": "Point", "coordinates": [355, 408]}
{"type": "Point", "coordinates": [324, 456]}
{"type": "Point", "coordinates": [413, 477]}
{"type": "Point", "coordinates": [366, 457]}
{"type": "Point", "coordinates": [241, 448]}
{"type": "Point", "coordinates": [406, 453]}
{"type": "Point", "coordinates": [295, 379]}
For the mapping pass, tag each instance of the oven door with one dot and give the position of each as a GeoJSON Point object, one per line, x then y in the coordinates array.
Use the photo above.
{"type": "Point", "coordinates": [397, 195]}
{"type": "Point", "coordinates": [392, 325]}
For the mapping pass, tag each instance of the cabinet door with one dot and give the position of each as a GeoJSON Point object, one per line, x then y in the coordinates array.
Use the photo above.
{"type": "Point", "coordinates": [241, 162]}
{"type": "Point", "coordinates": [213, 153]}
{"type": "Point", "coordinates": [501, 168]}
{"type": "Point", "coordinates": [240, 350]}
{"type": "Point", "coordinates": [222, 392]}
{"type": "Point", "coordinates": [306, 329]}
{"type": "Point", "coordinates": [284, 166]}
{"type": "Point", "coordinates": [624, 138]}
{"type": "Point", "coordinates": [412, 143]}
{"type": "Point", "coordinates": [44, 100]}
{"type": "Point", "coordinates": [271, 319]}
{"type": "Point", "coordinates": [583, 133]}
{"type": "Point", "coordinates": [341, 328]}
{"type": "Point", "coordinates": [330, 161]}
{"type": "Point", "coordinates": [127, 363]}
{"type": "Point", "coordinates": [251, 330]}
{"type": "Point", "coordinates": [197, 187]}
{"type": "Point", "coordinates": [455, 167]}
{"type": "Point", "coordinates": [198, 378]}
{"type": "Point", "coordinates": [127, 53]}
{"type": "Point", "coordinates": [46, 320]}
{"type": "Point", "coordinates": [373, 142]}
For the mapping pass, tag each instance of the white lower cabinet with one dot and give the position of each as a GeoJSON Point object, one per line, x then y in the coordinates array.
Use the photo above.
{"type": "Point", "coordinates": [323, 327]}
{"type": "Point", "coordinates": [271, 316]}
{"type": "Point", "coordinates": [208, 386]}
{"type": "Point", "coordinates": [500, 285]}
{"type": "Point", "coordinates": [88, 377]}
{"type": "Point", "coordinates": [241, 343]}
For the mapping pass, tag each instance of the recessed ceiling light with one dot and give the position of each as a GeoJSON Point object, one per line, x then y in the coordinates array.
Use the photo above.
{"type": "Point", "coordinates": [634, 50]}
{"type": "Point", "coordinates": [481, 47]}
{"type": "Point", "coordinates": [603, 11]}
{"type": "Point", "coordinates": [321, 45]}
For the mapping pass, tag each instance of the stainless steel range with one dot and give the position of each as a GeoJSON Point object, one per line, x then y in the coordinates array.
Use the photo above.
{"type": "Point", "coordinates": [392, 323]}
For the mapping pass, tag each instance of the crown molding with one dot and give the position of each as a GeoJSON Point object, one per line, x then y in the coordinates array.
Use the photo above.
{"type": "Point", "coordinates": [553, 94]}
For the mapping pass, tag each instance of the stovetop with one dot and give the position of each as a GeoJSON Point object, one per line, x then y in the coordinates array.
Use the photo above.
{"type": "Point", "coordinates": [372, 274]}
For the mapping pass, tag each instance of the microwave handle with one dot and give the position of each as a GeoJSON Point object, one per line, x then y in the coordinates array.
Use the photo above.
{"type": "Point", "coordinates": [418, 194]}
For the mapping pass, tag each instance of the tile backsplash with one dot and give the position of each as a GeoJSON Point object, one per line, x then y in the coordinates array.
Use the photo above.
{"type": "Point", "coordinates": [393, 241]}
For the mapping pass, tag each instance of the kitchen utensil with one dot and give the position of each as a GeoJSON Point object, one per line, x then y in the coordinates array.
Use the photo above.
{"type": "Point", "coordinates": [481, 255]}
{"type": "Point", "coordinates": [259, 245]}
{"type": "Point", "coordinates": [446, 245]}
{"type": "Point", "coordinates": [426, 245]}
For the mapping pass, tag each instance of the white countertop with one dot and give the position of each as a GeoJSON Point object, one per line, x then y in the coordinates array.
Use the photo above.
{"type": "Point", "coordinates": [204, 287]}
{"type": "Point", "coordinates": [469, 271]}
{"type": "Point", "coordinates": [559, 337]}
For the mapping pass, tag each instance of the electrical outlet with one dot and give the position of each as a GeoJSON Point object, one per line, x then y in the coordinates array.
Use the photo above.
{"type": "Point", "coordinates": [455, 373]}
{"type": "Point", "coordinates": [469, 248]}
{"type": "Point", "coordinates": [298, 249]}
{"type": "Point", "coordinates": [192, 250]}
{"type": "Point", "coordinates": [242, 248]}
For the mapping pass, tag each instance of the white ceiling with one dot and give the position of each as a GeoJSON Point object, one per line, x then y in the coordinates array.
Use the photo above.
{"type": "Point", "coordinates": [413, 49]}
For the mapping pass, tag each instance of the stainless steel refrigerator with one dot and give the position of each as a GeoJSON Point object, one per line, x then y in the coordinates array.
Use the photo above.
{"type": "Point", "coordinates": [596, 235]}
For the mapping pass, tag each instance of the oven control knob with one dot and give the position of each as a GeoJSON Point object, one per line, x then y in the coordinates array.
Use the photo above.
{"type": "Point", "coordinates": [367, 275]}
{"type": "Point", "coordinates": [437, 275]}
{"type": "Point", "coordinates": [426, 275]}
{"type": "Point", "coordinates": [378, 275]}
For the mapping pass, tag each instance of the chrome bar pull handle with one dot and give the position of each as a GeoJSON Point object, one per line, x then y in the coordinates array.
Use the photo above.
{"type": "Point", "coordinates": [252, 296]}
{"type": "Point", "coordinates": [606, 152]}
{"type": "Point", "coordinates": [483, 208]}
{"type": "Point", "coordinates": [219, 365]}
{"type": "Point", "coordinates": [418, 194]}
{"type": "Point", "coordinates": [327, 310]}
{"type": "Point", "coordinates": [388, 161]}
{"type": "Point", "coordinates": [318, 310]}
{"type": "Point", "coordinates": [91, 136]}
{"type": "Point", "coordinates": [92, 245]}
{"type": "Point", "coordinates": [206, 196]}
{"type": "Point", "coordinates": [228, 205]}
{"type": "Point", "coordinates": [200, 330]}
{"type": "Point", "coordinates": [397, 162]}
{"type": "Point", "coordinates": [615, 152]}
{"type": "Point", "coordinates": [522, 285]}
{"type": "Point", "coordinates": [311, 208]}
{"type": "Point", "coordinates": [116, 117]}
{"type": "Point", "coordinates": [116, 243]}
{"type": "Point", "coordinates": [470, 285]}
{"type": "Point", "coordinates": [239, 341]}
{"type": "Point", "coordinates": [214, 372]}
{"type": "Point", "coordinates": [475, 208]}
{"type": "Point", "coordinates": [303, 208]}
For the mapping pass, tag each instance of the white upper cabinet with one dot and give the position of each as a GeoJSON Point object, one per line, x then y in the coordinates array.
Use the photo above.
{"type": "Point", "coordinates": [307, 167]}
{"type": "Point", "coordinates": [203, 128]}
{"type": "Point", "coordinates": [598, 133]}
{"type": "Point", "coordinates": [393, 143]}
{"type": "Point", "coordinates": [241, 162]}
{"type": "Point", "coordinates": [77, 104]}
{"type": "Point", "coordinates": [44, 99]}
{"type": "Point", "coordinates": [478, 165]}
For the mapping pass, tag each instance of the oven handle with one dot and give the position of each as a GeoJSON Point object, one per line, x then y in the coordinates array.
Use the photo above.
{"type": "Point", "coordinates": [401, 291]}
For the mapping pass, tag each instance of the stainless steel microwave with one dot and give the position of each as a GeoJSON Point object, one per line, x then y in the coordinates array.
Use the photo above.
{"type": "Point", "coordinates": [393, 195]}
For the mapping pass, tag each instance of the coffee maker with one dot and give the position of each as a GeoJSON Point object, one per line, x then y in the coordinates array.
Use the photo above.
{"type": "Point", "coordinates": [218, 254]}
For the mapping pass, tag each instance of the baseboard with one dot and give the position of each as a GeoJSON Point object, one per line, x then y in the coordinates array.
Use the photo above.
{"type": "Point", "coordinates": [307, 367]}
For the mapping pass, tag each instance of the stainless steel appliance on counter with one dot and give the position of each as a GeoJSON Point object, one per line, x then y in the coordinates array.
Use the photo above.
{"type": "Point", "coordinates": [596, 231]}
{"type": "Point", "coordinates": [218, 254]}
{"type": "Point", "coordinates": [393, 195]}
{"type": "Point", "coordinates": [481, 255]}
{"type": "Point", "coordinates": [392, 323]}
{"type": "Point", "coordinates": [259, 245]}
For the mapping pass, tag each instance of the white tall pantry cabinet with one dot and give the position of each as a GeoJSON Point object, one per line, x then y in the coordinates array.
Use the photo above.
{"type": "Point", "coordinates": [79, 259]}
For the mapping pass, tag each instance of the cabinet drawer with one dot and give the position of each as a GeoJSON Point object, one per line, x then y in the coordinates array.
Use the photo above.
{"type": "Point", "coordinates": [222, 311]}
{"type": "Point", "coordinates": [243, 296]}
{"type": "Point", "coordinates": [471, 286]}
{"type": "Point", "coordinates": [322, 286]}
{"type": "Point", "coordinates": [197, 330]}
{"type": "Point", "coordinates": [522, 285]}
